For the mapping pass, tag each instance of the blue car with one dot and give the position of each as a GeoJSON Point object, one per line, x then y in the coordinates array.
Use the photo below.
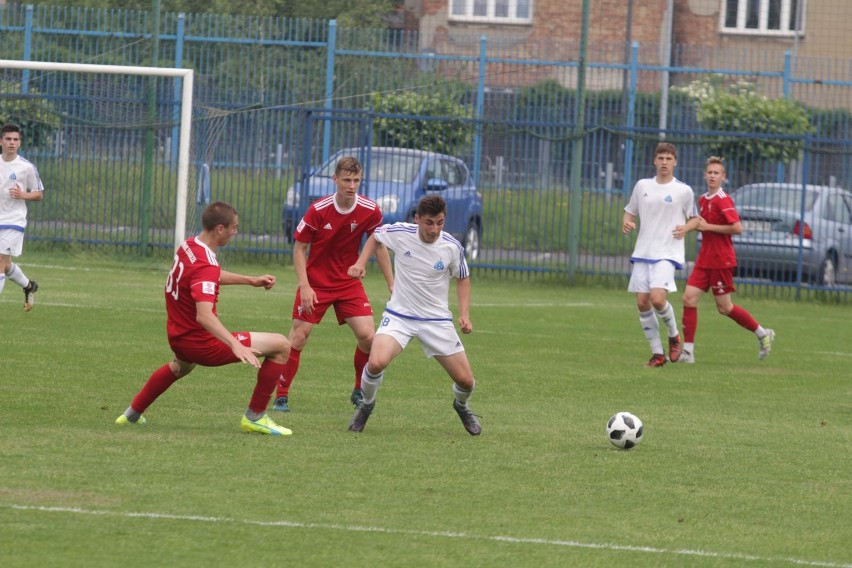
{"type": "Point", "coordinates": [396, 179]}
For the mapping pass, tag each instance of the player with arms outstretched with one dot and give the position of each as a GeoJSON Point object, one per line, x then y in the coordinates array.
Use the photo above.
{"type": "Point", "coordinates": [332, 229]}
{"type": "Point", "coordinates": [425, 259]}
{"type": "Point", "coordinates": [198, 337]}
{"type": "Point", "coordinates": [714, 267]}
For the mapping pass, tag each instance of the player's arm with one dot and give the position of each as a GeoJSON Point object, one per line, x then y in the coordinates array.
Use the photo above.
{"type": "Point", "coordinates": [628, 222]}
{"type": "Point", "coordinates": [359, 269]}
{"type": "Point", "coordinates": [463, 294]}
{"type": "Point", "coordinates": [266, 281]}
{"type": "Point", "coordinates": [17, 192]}
{"type": "Point", "coordinates": [384, 261]}
{"type": "Point", "coordinates": [734, 228]}
{"type": "Point", "coordinates": [300, 264]}
{"type": "Point", "coordinates": [207, 319]}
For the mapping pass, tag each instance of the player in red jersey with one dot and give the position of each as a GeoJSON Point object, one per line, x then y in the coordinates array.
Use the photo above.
{"type": "Point", "coordinates": [333, 228]}
{"type": "Point", "coordinates": [196, 335]}
{"type": "Point", "coordinates": [714, 267]}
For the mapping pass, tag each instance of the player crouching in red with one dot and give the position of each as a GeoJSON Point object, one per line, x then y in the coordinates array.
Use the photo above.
{"type": "Point", "coordinates": [198, 337]}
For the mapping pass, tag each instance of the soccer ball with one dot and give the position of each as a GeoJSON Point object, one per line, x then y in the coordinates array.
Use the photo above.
{"type": "Point", "coordinates": [624, 430]}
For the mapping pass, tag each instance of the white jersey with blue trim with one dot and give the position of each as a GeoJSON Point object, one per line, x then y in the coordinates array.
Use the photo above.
{"type": "Point", "coordinates": [422, 271]}
{"type": "Point", "coordinates": [20, 172]}
{"type": "Point", "coordinates": [660, 207]}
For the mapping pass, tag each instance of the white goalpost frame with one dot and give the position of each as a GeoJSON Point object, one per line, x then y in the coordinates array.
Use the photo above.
{"type": "Point", "coordinates": [185, 116]}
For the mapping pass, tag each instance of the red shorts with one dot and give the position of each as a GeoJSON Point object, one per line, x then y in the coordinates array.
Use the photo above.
{"type": "Point", "coordinates": [209, 351]}
{"type": "Point", "coordinates": [348, 303]}
{"type": "Point", "coordinates": [720, 280]}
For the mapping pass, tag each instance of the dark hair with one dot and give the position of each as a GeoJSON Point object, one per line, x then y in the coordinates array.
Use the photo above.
{"type": "Point", "coordinates": [665, 148]}
{"type": "Point", "coordinates": [218, 213]}
{"type": "Point", "coordinates": [431, 205]}
{"type": "Point", "coordinates": [9, 128]}
{"type": "Point", "coordinates": [348, 165]}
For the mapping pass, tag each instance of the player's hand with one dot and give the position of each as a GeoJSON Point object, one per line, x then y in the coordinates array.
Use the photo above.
{"type": "Point", "coordinates": [15, 192]}
{"type": "Point", "coordinates": [679, 231]}
{"type": "Point", "coordinates": [357, 271]}
{"type": "Point", "coordinates": [266, 281]}
{"type": "Point", "coordinates": [627, 226]}
{"type": "Point", "coordinates": [466, 325]}
{"type": "Point", "coordinates": [308, 298]}
{"type": "Point", "coordinates": [247, 355]}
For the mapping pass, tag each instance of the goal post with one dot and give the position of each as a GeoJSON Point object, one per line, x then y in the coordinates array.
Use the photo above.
{"type": "Point", "coordinates": [186, 76]}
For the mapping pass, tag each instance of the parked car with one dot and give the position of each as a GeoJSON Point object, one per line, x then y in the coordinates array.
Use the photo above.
{"type": "Point", "coordinates": [396, 178]}
{"type": "Point", "coordinates": [774, 229]}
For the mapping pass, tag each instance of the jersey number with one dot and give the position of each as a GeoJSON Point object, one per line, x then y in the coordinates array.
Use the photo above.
{"type": "Point", "coordinates": [172, 281]}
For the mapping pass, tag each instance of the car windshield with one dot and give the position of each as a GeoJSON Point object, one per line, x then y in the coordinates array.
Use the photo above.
{"type": "Point", "coordinates": [384, 167]}
{"type": "Point", "coordinates": [774, 197]}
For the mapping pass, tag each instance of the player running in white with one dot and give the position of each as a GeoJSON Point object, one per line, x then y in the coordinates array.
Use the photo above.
{"type": "Point", "coordinates": [666, 209]}
{"type": "Point", "coordinates": [19, 183]}
{"type": "Point", "coordinates": [425, 258]}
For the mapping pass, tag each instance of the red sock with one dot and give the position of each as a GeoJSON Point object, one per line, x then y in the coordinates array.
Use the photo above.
{"type": "Point", "coordinates": [158, 383]}
{"type": "Point", "coordinates": [690, 324]}
{"type": "Point", "coordinates": [744, 318]}
{"type": "Point", "coordinates": [290, 369]}
{"type": "Point", "coordinates": [268, 375]}
{"type": "Point", "coordinates": [361, 359]}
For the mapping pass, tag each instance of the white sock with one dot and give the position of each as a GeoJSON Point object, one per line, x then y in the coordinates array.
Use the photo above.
{"type": "Point", "coordinates": [370, 385]}
{"type": "Point", "coordinates": [651, 328]}
{"type": "Point", "coordinates": [18, 277]}
{"type": "Point", "coordinates": [2, 282]}
{"type": "Point", "coordinates": [463, 395]}
{"type": "Point", "coordinates": [689, 348]}
{"type": "Point", "coordinates": [667, 314]}
{"type": "Point", "coordinates": [760, 332]}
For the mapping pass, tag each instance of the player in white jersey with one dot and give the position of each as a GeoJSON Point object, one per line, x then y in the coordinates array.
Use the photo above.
{"type": "Point", "coordinates": [666, 209]}
{"type": "Point", "coordinates": [425, 258]}
{"type": "Point", "coordinates": [19, 183]}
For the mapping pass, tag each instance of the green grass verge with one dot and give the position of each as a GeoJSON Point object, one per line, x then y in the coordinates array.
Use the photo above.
{"type": "Point", "coordinates": [744, 463]}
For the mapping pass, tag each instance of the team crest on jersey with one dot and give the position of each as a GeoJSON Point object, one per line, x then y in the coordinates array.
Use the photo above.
{"type": "Point", "coordinates": [439, 265]}
{"type": "Point", "coordinates": [352, 227]}
{"type": "Point", "coordinates": [668, 199]}
{"type": "Point", "coordinates": [13, 176]}
{"type": "Point", "coordinates": [407, 254]}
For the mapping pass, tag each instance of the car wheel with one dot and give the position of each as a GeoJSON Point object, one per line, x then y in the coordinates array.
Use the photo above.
{"type": "Point", "coordinates": [827, 272]}
{"type": "Point", "coordinates": [472, 241]}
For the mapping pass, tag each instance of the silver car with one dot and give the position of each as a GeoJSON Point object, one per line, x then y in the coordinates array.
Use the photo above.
{"type": "Point", "coordinates": [787, 224]}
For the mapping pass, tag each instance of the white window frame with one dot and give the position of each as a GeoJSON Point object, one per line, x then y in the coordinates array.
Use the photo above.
{"type": "Point", "coordinates": [468, 16]}
{"type": "Point", "coordinates": [763, 19]}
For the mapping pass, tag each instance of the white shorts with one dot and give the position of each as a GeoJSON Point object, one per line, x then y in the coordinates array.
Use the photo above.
{"type": "Point", "coordinates": [648, 275]}
{"type": "Point", "coordinates": [437, 337]}
{"type": "Point", "coordinates": [11, 242]}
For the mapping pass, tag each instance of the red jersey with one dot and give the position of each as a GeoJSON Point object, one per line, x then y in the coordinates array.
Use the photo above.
{"type": "Point", "coordinates": [194, 277]}
{"type": "Point", "coordinates": [717, 250]}
{"type": "Point", "coordinates": [335, 239]}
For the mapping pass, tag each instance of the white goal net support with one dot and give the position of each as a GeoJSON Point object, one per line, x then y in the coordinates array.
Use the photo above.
{"type": "Point", "coordinates": [85, 128]}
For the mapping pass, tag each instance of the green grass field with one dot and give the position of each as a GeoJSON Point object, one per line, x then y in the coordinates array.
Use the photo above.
{"type": "Point", "coordinates": [744, 463]}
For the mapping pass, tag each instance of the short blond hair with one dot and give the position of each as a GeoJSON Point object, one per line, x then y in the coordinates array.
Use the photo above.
{"type": "Point", "coordinates": [715, 160]}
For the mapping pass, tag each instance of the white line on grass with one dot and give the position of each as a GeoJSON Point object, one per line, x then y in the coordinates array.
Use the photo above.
{"type": "Point", "coordinates": [436, 534]}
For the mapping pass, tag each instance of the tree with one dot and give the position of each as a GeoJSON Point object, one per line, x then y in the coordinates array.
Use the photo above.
{"type": "Point", "coordinates": [776, 127]}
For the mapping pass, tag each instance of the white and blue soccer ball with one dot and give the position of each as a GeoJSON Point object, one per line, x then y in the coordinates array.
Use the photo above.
{"type": "Point", "coordinates": [624, 430]}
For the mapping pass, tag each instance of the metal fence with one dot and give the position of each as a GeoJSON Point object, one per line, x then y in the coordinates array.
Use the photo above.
{"type": "Point", "coordinates": [274, 98]}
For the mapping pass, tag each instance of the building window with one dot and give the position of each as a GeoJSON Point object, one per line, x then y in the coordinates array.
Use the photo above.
{"type": "Point", "coordinates": [492, 11]}
{"type": "Point", "coordinates": [764, 17]}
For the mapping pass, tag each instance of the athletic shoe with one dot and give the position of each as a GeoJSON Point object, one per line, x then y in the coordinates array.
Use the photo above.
{"type": "Point", "coordinates": [675, 348]}
{"type": "Point", "coordinates": [123, 421]}
{"type": "Point", "coordinates": [765, 343]}
{"type": "Point", "coordinates": [359, 419]}
{"type": "Point", "coordinates": [468, 418]}
{"type": "Point", "coordinates": [357, 397]}
{"type": "Point", "coordinates": [281, 404]}
{"type": "Point", "coordinates": [29, 295]}
{"type": "Point", "coordinates": [656, 360]}
{"type": "Point", "coordinates": [686, 357]}
{"type": "Point", "coordinates": [264, 425]}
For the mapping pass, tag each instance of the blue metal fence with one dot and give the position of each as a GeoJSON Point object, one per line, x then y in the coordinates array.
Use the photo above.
{"type": "Point", "coordinates": [259, 79]}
